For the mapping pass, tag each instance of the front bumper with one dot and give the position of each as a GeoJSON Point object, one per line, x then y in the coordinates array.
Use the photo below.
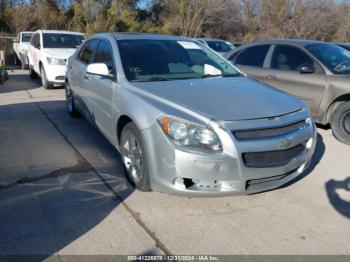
{"type": "Point", "coordinates": [55, 73]}
{"type": "Point", "coordinates": [175, 171]}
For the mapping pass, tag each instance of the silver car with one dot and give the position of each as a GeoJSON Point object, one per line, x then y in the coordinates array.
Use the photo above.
{"type": "Point", "coordinates": [184, 119]}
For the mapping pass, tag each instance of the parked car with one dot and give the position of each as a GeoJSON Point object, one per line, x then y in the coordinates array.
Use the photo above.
{"type": "Point", "coordinates": [20, 46]}
{"type": "Point", "coordinates": [221, 46]}
{"type": "Point", "coordinates": [48, 53]}
{"type": "Point", "coordinates": [184, 119]}
{"type": "Point", "coordinates": [316, 72]}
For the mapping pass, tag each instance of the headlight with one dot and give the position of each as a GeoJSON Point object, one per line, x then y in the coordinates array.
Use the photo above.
{"type": "Point", "coordinates": [55, 61]}
{"type": "Point", "coordinates": [190, 136]}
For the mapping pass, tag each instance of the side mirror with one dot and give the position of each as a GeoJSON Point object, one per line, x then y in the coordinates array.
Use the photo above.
{"type": "Point", "coordinates": [99, 69]}
{"type": "Point", "coordinates": [15, 40]}
{"type": "Point", "coordinates": [306, 69]}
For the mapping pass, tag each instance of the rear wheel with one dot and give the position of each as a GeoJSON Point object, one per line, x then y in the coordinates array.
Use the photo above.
{"type": "Point", "coordinates": [44, 81]}
{"type": "Point", "coordinates": [133, 156]}
{"type": "Point", "coordinates": [32, 73]}
{"type": "Point", "coordinates": [72, 110]}
{"type": "Point", "coordinates": [340, 123]}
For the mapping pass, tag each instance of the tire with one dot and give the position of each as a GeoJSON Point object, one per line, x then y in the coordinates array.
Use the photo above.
{"type": "Point", "coordinates": [45, 83]}
{"type": "Point", "coordinates": [137, 172]}
{"type": "Point", "coordinates": [340, 123]}
{"type": "Point", "coordinates": [70, 105]}
{"type": "Point", "coordinates": [32, 73]}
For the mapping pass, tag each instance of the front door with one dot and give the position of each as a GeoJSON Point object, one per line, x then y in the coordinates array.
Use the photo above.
{"type": "Point", "coordinates": [103, 89]}
{"type": "Point", "coordinates": [285, 74]}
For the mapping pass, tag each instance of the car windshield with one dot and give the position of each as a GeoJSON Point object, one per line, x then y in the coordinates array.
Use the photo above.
{"type": "Point", "coordinates": [164, 60]}
{"type": "Point", "coordinates": [220, 46]}
{"type": "Point", "coordinates": [334, 57]}
{"type": "Point", "coordinates": [62, 40]}
{"type": "Point", "coordinates": [26, 37]}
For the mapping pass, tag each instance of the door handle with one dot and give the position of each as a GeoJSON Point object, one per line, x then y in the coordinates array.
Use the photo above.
{"type": "Point", "coordinates": [87, 78]}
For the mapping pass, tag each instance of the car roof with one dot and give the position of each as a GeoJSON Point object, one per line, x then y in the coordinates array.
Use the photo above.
{"type": "Point", "coordinates": [300, 42]}
{"type": "Point", "coordinates": [142, 36]}
{"type": "Point", "coordinates": [212, 39]}
{"type": "Point", "coordinates": [58, 32]}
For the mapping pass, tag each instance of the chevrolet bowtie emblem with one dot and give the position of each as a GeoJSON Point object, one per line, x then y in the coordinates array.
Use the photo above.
{"type": "Point", "coordinates": [286, 143]}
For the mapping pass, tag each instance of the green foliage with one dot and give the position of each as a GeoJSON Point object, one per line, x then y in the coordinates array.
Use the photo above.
{"type": "Point", "coordinates": [245, 20]}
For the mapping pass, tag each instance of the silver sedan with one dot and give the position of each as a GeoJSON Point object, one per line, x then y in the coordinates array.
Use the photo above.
{"type": "Point", "coordinates": [184, 119]}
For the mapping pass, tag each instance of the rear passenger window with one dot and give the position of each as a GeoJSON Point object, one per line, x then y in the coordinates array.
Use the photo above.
{"type": "Point", "coordinates": [289, 58]}
{"type": "Point", "coordinates": [87, 51]}
{"type": "Point", "coordinates": [104, 55]}
{"type": "Point", "coordinates": [253, 56]}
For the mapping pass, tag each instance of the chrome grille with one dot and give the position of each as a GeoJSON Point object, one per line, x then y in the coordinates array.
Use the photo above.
{"type": "Point", "coordinates": [272, 158]}
{"type": "Point", "coordinates": [268, 132]}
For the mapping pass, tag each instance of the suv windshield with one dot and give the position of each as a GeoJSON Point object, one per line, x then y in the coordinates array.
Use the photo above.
{"type": "Point", "coordinates": [62, 40]}
{"type": "Point", "coordinates": [162, 60]}
{"type": "Point", "coordinates": [26, 37]}
{"type": "Point", "coordinates": [220, 46]}
{"type": "Point", "coordinates": [335, 58]}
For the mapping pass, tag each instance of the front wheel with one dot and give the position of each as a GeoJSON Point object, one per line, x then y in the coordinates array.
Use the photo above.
{"type": "Point", "coordinates": [44, 81]}
{"type": "Point", "coordinates": [340, 123]}
{"type": "Point", "coordinates": [72, 110]}
{"type": "Point", "coordinates": [133, 156]}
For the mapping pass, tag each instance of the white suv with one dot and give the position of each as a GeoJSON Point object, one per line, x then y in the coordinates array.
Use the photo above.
{"type": "Point", "coordinates": [48, 53]}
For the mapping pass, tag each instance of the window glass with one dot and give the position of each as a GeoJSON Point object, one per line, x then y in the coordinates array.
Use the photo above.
{"type": "Point", "coordinates": [289, 58]}
{"type": "Point", "coordinates": [220, 46]}
{"type": "Point", "coordinates": [87, 51]}
{"type": "Point", "coordinates": [253, 56]}
{"type": "Point", "coordinates": [335, 58]}
{"type": "Point", "coordinates": [26, 37]}
{"type": "Point", "coordinates": [35, 41]}
{"type": "Point", "coordinates": [104, 54]}
{"type": "Point", "coordinates": [165, 60]}
{"type": "Point", "coordinates": [51, 40]}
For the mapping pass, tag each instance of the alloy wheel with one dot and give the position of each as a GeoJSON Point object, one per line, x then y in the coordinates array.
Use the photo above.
{"type": "Point", "coordinates": [132, 157]}
{"type": "Point", "coordinates": [69, 99]}
{"type": "Point", "coordinates": [346, 122]}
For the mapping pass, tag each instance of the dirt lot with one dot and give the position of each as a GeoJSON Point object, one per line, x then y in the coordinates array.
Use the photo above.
{"type": "Point", "coordinates": [63, 191]}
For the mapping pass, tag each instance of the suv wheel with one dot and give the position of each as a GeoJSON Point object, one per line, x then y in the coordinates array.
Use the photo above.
{"type": "Point", "coordinates": [46, 84]}
{"type": "Point", "coordinates": [72, 110]}
{"type": "Point", "coordinates": [340, 123]}
{"type": "Point", "coordinates": [133, 157]}
{"type": "Point", "coordinates": [32, 73]}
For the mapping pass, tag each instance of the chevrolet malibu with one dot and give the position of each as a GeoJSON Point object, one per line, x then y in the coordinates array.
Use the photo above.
{"type": "Point", "coordinates": [185, 120]}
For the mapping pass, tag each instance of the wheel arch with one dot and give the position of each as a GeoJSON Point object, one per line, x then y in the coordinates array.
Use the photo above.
{"type": "Point", "coordinates": [335, 103]}
{"type": "Point", "coordinates": [122, 121]}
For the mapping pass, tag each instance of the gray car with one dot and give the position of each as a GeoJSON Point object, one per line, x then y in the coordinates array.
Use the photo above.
{"type": "Point", "coordinates": [218, 45]}
{"type": "Point", "coordinates": [184, 119]}
{"type": "Point", "coordinates": [316, 72]}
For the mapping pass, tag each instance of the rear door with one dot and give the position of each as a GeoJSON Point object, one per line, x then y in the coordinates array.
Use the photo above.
{"type": "Point", "coordinates": [78, 77]}
{"type": "Point", "coordinates": [284, 74]}
{"type": "Point", "coordinates": [251, 61]}
{"type": "Point", "coordinates": [102, 88]}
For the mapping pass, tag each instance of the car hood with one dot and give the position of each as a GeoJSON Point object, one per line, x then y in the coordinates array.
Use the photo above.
{"type": "Point", "coordinates": [234, 98]}
{"type": "Point", "coordinates": [63, 53]}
